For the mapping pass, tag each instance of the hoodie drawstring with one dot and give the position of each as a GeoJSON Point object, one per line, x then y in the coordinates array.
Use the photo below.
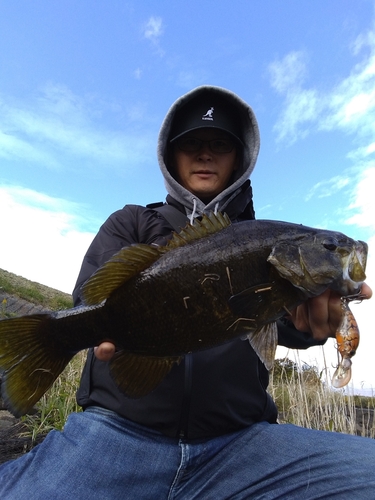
{"type": "Point", "coordinates": [216, 207]}
{"type": "Point", "coordinates": [192, 215]}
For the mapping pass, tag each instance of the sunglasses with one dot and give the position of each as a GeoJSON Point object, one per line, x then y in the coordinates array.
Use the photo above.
{"type": "Point", "coordinates": [191, 145]}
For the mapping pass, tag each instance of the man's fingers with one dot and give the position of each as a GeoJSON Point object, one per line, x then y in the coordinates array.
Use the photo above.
{"type": "Point", "coordinates": [319, 315]}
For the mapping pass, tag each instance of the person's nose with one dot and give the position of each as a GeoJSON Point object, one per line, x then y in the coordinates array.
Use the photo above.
{"type": "Point", "coordinates": [205, 152]}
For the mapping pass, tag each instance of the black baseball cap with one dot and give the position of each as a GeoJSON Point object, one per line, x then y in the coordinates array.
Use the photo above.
{"type": "Point", "coordinates": [208, 110]}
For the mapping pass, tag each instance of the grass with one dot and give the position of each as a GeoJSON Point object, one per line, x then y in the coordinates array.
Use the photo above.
{"type": "Point", "coordinates": [304, 399]}
{"type": "Point", "coordinates": [33, 292]}
{"type": "Point", "coordinates": [301, 396]}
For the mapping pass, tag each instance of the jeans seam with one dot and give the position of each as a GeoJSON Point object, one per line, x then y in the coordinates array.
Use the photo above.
{"type": "Point", "coordinates": [180, 469]}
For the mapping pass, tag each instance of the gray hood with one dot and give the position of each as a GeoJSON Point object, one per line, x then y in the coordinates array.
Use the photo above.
{"type": "Point", "coordinates": [250, 138]}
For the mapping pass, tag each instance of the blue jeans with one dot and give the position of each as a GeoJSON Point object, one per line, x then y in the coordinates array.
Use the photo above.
{"type": "Point", "coordinates": [100, 455]}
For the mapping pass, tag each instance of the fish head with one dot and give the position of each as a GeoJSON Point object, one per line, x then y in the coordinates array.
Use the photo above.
{"type": "Point", "coordinates": [316, 261]}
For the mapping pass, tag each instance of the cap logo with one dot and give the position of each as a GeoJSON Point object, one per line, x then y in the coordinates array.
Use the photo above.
{"type": "Point", "coordinates": [208, 115]}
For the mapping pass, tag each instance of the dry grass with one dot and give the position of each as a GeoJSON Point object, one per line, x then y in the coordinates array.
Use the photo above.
{"type": "Point", "coordinates": [306, 400]}
{"type": "Point", "coordinates": [301, 396]}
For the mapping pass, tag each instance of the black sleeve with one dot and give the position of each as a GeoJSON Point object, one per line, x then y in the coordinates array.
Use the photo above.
{"type": "Point", "coordinates": [290, 337]}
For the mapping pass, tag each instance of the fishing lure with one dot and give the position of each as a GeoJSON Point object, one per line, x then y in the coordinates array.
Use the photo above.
{"type": "Point", "coordinates": [347, 338]}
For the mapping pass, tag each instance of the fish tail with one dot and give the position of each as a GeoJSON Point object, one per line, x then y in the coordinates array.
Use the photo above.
{"type": "Point", "coordinates": [30, 358]}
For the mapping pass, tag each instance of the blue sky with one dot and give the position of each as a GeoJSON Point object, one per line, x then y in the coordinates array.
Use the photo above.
{"type": "Point", "coordinates": [85, 85]}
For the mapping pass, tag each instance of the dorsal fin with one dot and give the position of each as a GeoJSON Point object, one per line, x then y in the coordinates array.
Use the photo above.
{"type": "Point", "coordinates": [130, 261]}
{"type": "Point", "coordinates": [209, 224]}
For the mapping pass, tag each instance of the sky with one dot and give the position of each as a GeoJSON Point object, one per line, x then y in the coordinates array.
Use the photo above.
{"type": "Point", "coordinates": [84, 87]}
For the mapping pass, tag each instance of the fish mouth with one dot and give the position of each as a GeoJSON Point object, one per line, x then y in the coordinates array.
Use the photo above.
{"type": "Point", "coordinates": [354, 265]}
{"type": "Point", "coordinates": [358, 264]}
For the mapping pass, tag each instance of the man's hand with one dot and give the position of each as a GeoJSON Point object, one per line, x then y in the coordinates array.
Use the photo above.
{"type": "Point", "coordinates": [321, 316]}
{"type": "Point", "coordinates": [105, 351]}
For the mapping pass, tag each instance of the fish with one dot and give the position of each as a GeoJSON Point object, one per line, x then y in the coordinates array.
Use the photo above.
{"type": "Point", "coordinates": [211, 283]}
{"type": "Point", "coordinates": [347, 339]}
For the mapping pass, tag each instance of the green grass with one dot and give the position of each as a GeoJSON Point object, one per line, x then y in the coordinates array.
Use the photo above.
{"type": "Point", "coordinates": [34, 292]}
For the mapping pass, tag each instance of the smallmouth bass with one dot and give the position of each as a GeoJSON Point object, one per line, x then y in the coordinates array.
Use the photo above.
{"type": "Point", "coordinates": [213, 282]}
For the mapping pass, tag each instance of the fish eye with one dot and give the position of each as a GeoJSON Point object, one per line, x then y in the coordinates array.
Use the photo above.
{"type": "Point", "coordinates": [330, 245]}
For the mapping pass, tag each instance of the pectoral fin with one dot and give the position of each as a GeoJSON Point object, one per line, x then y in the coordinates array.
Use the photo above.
{"type": "Point", "coordinates": [264, 343]}
{"type": "Point", "coordinates": [137, 375]}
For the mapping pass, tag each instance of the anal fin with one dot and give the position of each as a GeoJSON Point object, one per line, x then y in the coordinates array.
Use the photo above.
{"type": "Point", "coordinates": [137, 375]}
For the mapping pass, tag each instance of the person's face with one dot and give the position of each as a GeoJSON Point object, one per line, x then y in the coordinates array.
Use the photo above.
{"type": "Point", "coordinates": [204, 173]}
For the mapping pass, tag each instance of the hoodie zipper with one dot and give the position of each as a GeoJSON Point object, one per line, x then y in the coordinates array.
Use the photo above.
{"type": "Point", "coordinates": [185, 408]}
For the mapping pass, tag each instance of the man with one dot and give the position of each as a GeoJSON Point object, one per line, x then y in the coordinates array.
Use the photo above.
{"type": "Point", "coordinates": [209, 430]}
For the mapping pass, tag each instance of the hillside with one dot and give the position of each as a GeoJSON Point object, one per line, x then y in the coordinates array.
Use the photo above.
{"type": "Point", "coordinates": [16, 290]}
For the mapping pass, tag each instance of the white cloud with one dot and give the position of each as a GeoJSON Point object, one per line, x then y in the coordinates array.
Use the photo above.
{"type": "Point", "coordinates": [363, 203]}
{"type": "Point", "coordinates": [349, 106]}
{"type": "Point", "coordinates": [152, 31]}
{"type": "Point", "coordinates": [42, 240]}
{"type": "Point", "coordinates": [301, 106]}
{"type": "Point", "coordinates": [154, 28]}
{"type": "Point", "coordinates": [57, 128]}
{"type": "Point", "coordinates": [328, 187]}
{"type": "Point", "coordinates": [301, 110]}
{"type": "Point", "coordinates": [288, 73]}
{"type": "Point", "coordinates": [16, 148]}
